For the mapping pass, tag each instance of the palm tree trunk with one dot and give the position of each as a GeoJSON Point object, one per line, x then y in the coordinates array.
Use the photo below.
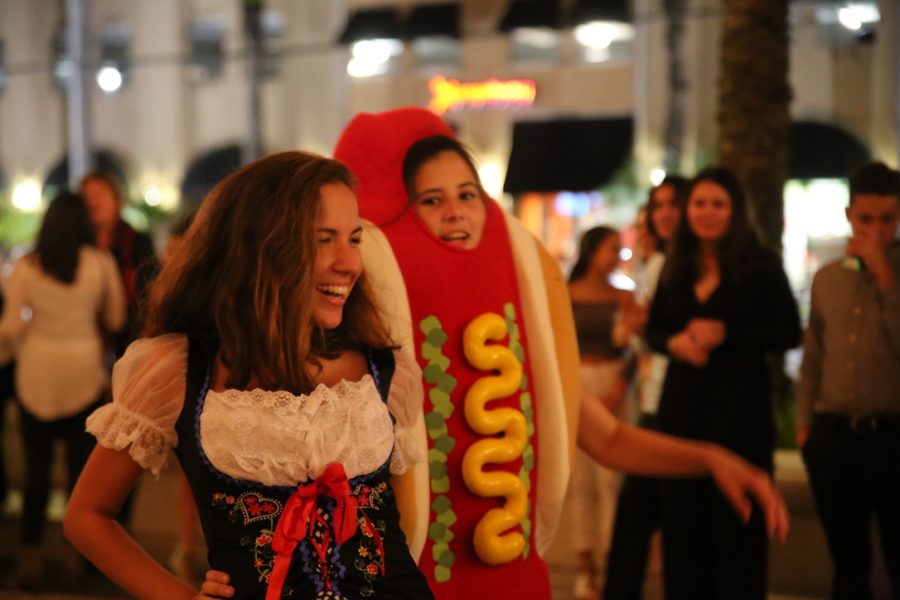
{"type": "Point", "coordinates": [754, 99]}
{"type": "Point", "coordinates": [754, 126]}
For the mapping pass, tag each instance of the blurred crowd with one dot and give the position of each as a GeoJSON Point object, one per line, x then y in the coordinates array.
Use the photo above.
{"type": "Point", "coordinates": [70, 309]}
{"type": "Point", "coordinates": [687, 351]}
{"type": "Point", "coordinates": [690, 350]}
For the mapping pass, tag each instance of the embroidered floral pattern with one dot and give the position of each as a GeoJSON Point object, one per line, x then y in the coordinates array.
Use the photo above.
{"type": "Point", "coordinates": [247, 508]}
{"type": "Point", "coordinates": [250, 507]}
{"type": "Point", "coordinates": [370, 554]}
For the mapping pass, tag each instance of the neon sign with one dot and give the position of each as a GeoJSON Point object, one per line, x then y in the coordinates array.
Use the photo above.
{"type": "Point", "coordinates": [452, 94]}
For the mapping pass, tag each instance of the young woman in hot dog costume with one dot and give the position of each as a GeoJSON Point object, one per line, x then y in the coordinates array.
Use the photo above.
{"type": "Point", "coordinates": [487, 312]}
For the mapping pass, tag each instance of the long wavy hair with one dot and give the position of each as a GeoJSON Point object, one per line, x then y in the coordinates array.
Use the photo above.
{"type": "Point", "coordinates": [243, 277]}
{"type": "Point", "coordinates": [587, 246]}
{"type": "Point", "coordinates": [680, 186]}
{"type": "Point", "coordinates": [65, 229]}
{"type": "Point", "coordinates": [683, 258]}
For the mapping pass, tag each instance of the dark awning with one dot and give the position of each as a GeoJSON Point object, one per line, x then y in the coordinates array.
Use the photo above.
{"type": "Point", "coordinates": [567, 154]}
{"type": "Point", "coordinates": [531, 13]}
{"type": "Point", "coordinates": [821, 151]}
{"type": "Point", "coordinates": [104, 160]}
{"type": "Point", "coordinates": [206, 171]}
{"type": "Point", "coordinates": [432, 20]}
{"type": "Point", "coordinates": [600, 10]}
{"type": "Point", "coordinates": [370, 24]}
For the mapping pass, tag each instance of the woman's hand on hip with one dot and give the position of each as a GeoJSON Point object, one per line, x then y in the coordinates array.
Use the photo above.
{"type": "Point", "coordinates": [215, 586]}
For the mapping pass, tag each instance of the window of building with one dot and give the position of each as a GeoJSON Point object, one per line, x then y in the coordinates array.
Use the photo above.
{"type": "Point", "coordinates": [271, 24]}
{"type": "Point", "coordinates": [602, 41]}
{"type": "Point", "coordinates": [433, 31]}
{"type": "Point", "coordinates": [535, 44]}
{"type": "Point", "coordinates": [374, 37]}
{"type": "Point", "coordinates": [207, 50]}
{"type": "Point", "coordinates": [436, 51]}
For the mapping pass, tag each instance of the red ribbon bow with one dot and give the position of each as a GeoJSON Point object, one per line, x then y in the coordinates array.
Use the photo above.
{"type": "Point", "coordinates": [300, 515]}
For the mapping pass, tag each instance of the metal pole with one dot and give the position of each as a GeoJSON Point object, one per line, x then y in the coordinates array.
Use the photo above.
{"type": "Point", "coordinates": [252, 147]}
{"type": "Point", "coordinates": [80, 158]}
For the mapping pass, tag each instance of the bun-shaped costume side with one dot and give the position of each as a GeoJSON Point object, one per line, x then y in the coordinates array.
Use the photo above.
{"type": "Point", "coordinates": [492, 330]}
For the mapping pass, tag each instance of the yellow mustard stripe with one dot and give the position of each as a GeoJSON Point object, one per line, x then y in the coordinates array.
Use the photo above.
{"type": "Point", "coordinates": [492, 545]}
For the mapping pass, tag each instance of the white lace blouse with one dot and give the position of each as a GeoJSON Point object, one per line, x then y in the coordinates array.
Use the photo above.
{"type": "Point", "coordinates": [275, 438]}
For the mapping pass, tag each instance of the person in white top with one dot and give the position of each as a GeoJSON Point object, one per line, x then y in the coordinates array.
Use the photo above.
{"type": "Point", "coordinates": [268, 369]}
{"type": "Point", "coordinates": [70, 289]}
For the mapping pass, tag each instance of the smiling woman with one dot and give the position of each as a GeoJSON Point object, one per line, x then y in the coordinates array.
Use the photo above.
{"type": "Point", "coordinates": [722, 303]}
{"type": "Point", "coordinates": [445, 191]}
{"type": "Point", "coordinates": [338, 264]}
{"type": "Point", "coordinates": [270, 373]}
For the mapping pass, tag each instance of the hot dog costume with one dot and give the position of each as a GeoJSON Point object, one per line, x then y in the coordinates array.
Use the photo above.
{"type": "Point", "coordinates": [493, 332]}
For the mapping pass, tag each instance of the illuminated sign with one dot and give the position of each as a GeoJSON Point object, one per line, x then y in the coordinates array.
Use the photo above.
{"type": "Point", "coordinates": [451, 94]}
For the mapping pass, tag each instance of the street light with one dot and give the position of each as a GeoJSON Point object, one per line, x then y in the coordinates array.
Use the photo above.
{"type": "Point", "coordinates": [109, 78]}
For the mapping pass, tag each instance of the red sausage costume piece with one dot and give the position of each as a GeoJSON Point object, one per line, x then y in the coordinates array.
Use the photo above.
{"type": "Point", "coordinates": [448, 288]}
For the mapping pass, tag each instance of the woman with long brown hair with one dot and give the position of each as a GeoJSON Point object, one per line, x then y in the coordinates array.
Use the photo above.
{"type": "Point", "coordinates": [269, 371]}
{"type": "Point", "coordinates": [722, 303]}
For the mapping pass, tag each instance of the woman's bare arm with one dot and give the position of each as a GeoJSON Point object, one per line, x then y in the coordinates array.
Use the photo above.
{"type": "Point", "coordinates": [639, 451]}
{"type": "Point", "coordinates": [90, 526]}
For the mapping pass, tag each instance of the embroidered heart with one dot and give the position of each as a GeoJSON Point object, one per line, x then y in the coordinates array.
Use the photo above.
{"type": "Point", "coordinates": [256, 507]}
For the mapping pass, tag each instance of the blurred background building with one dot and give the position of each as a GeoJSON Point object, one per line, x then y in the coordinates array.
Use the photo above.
{"type": "Point", "coordinates": [568, 104]}
{"type": "Point", "coordinates": [572, 107]}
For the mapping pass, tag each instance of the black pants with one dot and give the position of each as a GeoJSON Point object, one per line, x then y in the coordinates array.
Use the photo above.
{"type": "Point", "coordinates": [7, 392]}
{"type": "Point", "coordinates": [38, 437]}
{"type": "Point", "coordinates": [637, 518]}
{"type": "Point", "coordinates": [708, 552]}
{"type": "Point", "coordinates": [854, 471]}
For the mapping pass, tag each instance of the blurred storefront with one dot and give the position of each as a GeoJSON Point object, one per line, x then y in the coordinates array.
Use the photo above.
{"type": "Point", "coordinates": [171, 87]}
{"type": "Point", "coordinates": [815, 199]}
{"type": "Point", "coordinates": [559, 176]}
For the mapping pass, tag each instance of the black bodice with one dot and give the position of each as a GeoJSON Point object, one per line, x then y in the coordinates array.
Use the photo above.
{"type": "Point", "coordinates": [239, 517]}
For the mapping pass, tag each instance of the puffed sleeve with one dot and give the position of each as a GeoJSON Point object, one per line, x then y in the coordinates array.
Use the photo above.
{"type": "Point", "coordinates": [148, 386]}
{"type": "Point", "coordinates": [405, 403]}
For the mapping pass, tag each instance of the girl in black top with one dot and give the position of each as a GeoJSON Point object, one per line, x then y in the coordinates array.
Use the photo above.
{"type": "Point", "coordinates": [723, 302]}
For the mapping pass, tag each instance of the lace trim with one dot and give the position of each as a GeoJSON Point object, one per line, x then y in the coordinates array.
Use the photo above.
{"type": "Point", "coordinates": [406, 451]}
{"type": "Point", "coordinates": [117, 428]}
{"type": "Point", "coordinates": [279, 439]}
{"type": "Point", "coordinates": [286, 404]}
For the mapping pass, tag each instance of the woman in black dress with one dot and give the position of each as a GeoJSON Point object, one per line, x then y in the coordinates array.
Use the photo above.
{"type": "Point", "coordinates": [723, 302]}
{"type": "Point", "coordinates": [268, 370]}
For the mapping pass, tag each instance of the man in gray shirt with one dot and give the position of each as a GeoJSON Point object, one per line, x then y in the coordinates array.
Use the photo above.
{"type": "Point", "coordinates": [848, 418]}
